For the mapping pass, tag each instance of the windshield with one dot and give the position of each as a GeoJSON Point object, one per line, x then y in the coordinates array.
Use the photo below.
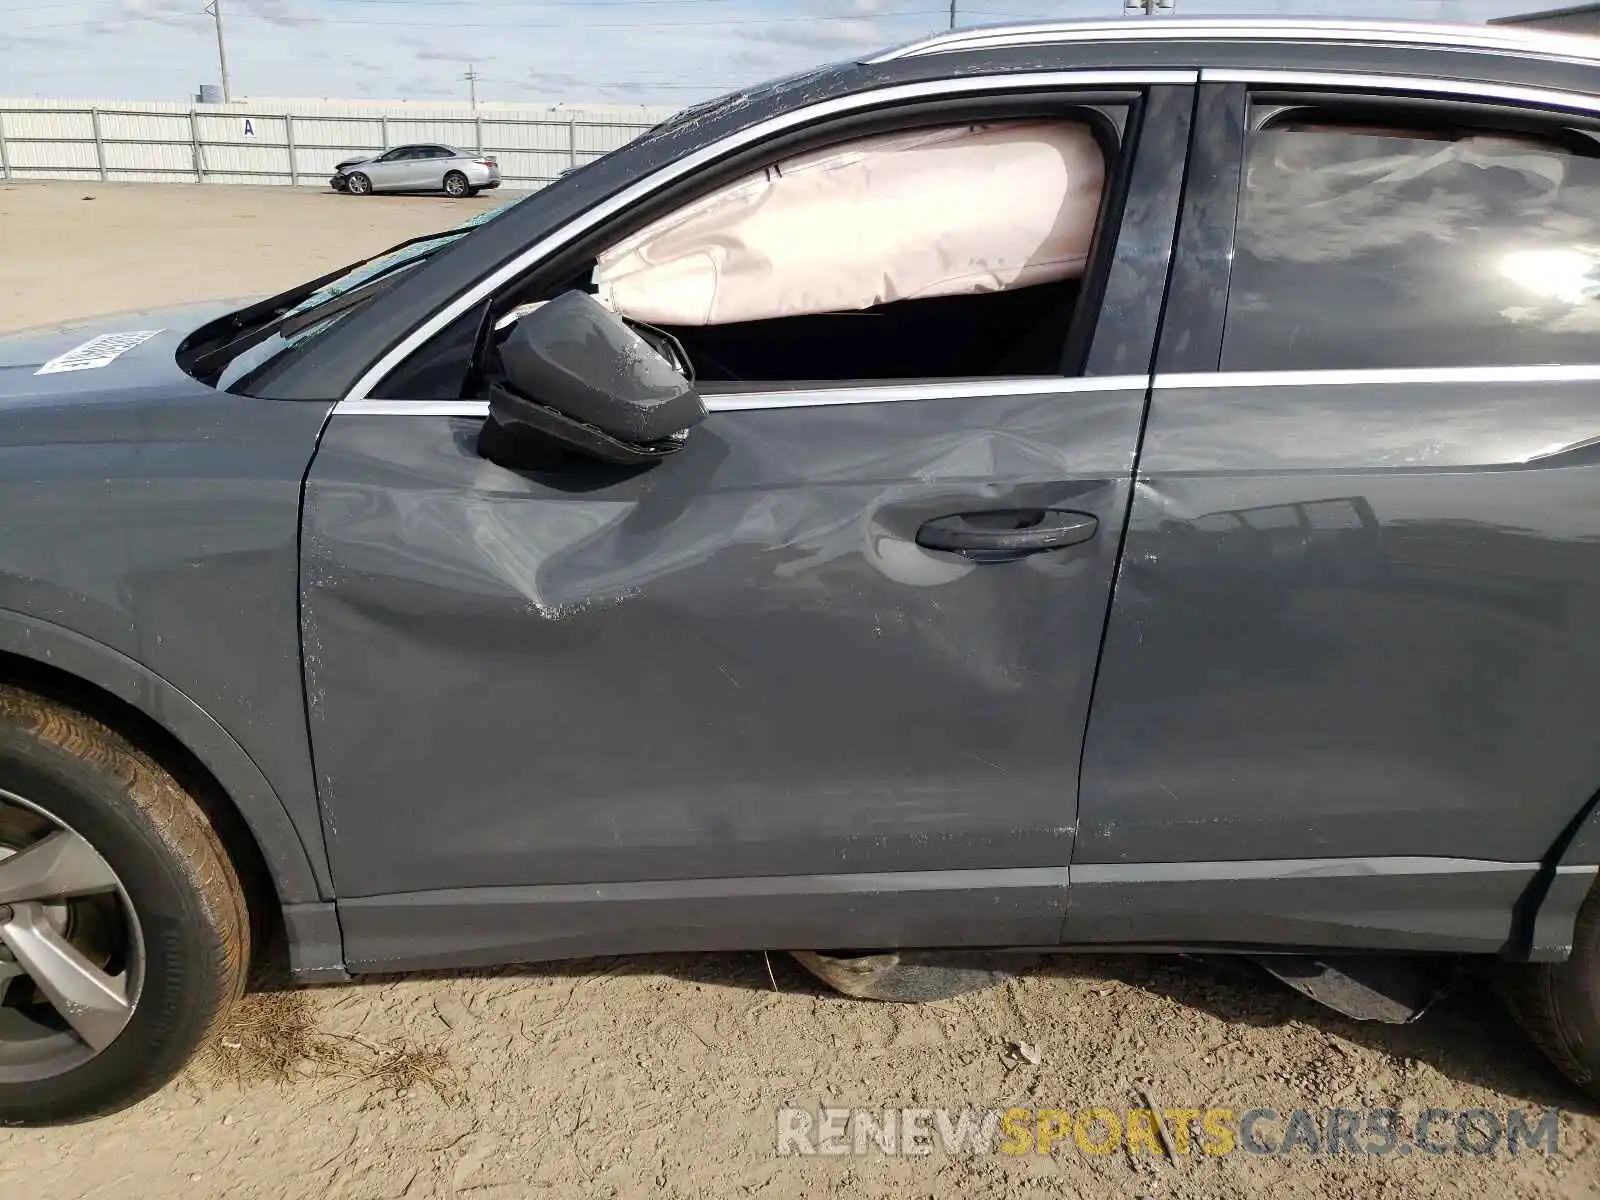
{"type": "Point", "coordinates": [230, 353]}
{"type": "Point", "coordinates": [406, 254]}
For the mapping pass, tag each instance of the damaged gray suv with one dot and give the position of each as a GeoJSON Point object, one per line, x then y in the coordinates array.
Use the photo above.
{"type": "Point", "coordinates": [1129, 485]}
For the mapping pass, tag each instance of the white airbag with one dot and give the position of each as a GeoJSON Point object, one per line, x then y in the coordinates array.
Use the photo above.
{"type": "Point", "coordinates": [932, 212]}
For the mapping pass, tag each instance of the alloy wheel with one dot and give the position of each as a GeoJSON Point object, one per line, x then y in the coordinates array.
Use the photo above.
{"type": "Point", "coordinates": [71, 949]}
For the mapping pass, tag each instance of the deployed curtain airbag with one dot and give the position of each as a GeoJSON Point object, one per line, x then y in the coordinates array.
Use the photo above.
{"type": "Point", "coordinates": [931, 212]}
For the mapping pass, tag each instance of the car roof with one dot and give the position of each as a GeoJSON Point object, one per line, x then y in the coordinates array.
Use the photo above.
{"type": "Point", "coordinates": [1502, 39]}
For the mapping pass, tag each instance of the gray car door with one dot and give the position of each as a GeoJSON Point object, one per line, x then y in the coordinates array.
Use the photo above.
{"type": "Point", "coordinates": [1349, 679]}
{"type": "Point", "coordinates": [427, 169]}
{"type": "Point", "coordinates": [388, 170]}
{"type": "Point", "coordinates": [730, 700]}
{"type": "Point", "coordinates": [421, 170]}
{"type": "Point", "coordinates": [440, 160]}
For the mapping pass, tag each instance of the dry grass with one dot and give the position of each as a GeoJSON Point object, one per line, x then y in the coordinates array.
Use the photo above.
{"type": "Point", "coordinates": [399, 1067]}
{"type": "Point", "coordinates": [272, 1037]}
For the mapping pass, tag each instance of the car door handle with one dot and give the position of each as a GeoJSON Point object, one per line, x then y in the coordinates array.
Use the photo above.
{"type": "Point", "coordinates": [1007, 534]}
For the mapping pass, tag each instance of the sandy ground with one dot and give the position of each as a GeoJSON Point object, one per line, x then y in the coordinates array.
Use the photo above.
{"type": "Point", "coordinates": [661, 1076]}
{"type": "Point", "coordinates": [84, 249]}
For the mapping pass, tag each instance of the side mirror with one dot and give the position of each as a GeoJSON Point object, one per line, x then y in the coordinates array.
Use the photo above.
{"type": "Point", "coordinates": [578, 376]}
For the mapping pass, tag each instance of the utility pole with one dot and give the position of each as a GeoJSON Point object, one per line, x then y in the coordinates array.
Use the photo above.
{"type": "Point", "coordinates": [214, 9]}
{"type": "Point", "coordinates": [952, 14]}
{"type": "Point", "coordinates": [472, 78]}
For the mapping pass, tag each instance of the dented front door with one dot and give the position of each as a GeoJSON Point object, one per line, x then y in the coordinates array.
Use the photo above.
{"type": "Point", "coordinates": [737, 664]}
{"type": "Point", "coordinates": [733, 699]}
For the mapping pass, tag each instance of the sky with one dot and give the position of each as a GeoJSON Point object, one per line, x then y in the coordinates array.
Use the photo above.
{"type": "Point", "coordinates": [671, 52]}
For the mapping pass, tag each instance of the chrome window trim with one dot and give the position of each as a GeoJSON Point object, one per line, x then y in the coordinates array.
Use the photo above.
{"type": "Point", "coordinates": [1034, 385]}
{"type": "Point", "coordinates": [812, 397]}
{"type": "Point", "coordinates": [411, 408]}
{"type": "Point", "coordinates": [1503, 39]}
{"type": "Point", "coordinates": [1452, 88]}
{"type": "Point", "coordinates": [1580, 373]}
{"type": "Point", "coordinates": [632, 194]}
{"type": "Point", "coordinates": [902, 391]}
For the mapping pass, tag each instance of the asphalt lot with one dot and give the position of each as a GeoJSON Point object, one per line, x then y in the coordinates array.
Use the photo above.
{"type": "Point", "coordinates": [662, 1076]}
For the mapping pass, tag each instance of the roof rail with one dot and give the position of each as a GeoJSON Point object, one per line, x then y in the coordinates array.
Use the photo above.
{"type": "Point", "coordinates": [1502, 38]}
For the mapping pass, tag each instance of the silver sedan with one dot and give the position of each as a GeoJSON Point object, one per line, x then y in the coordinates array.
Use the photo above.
{"type": "Point", "coordinates": [418, 168]}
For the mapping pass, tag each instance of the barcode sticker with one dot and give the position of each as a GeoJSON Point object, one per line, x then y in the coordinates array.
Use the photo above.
{"type": "Point", "coordinates": [96, 352]}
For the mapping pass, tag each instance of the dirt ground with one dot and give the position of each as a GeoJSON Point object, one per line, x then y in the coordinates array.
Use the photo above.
{"type": "Point", "coordinates": [661, 1076]}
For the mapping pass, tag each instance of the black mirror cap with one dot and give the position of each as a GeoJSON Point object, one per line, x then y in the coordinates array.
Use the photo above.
{"type": "Point", "coordinates": [522, 433]}
{"type": "Point", "coordinates": [580, 359]}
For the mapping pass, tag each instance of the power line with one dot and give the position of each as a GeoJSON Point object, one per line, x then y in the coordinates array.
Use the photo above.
{"type": "Point", "coordinates": [580, 27]}
{"type": "Point", "coordinates": [430, 4]}
{"type": "Point", "coordinates": [588, 26]}
{"type": "Point", "coordinates": [642, 82]}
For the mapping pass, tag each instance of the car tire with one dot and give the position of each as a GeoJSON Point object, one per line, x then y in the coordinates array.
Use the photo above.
{"type": "Point", "coordinates": [1559, 1003]}
{"type": "Point", "coordinates": [455, 185]}
{"type": "Point", "coordinates": [358, 184]}
{"type": "Point", "coordinates": [184, 962]}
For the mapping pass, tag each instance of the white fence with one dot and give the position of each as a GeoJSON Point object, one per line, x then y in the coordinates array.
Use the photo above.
{"type": "Point", "coordinates": [205, 143]}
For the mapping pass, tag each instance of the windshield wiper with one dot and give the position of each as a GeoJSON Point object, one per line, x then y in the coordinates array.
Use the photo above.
{"type": "Point", "coordinates": [293, 321]}
{"type": "Point", "coordinates": [257, 322]}
{"type": "Point", "coordinates": [275, 305]}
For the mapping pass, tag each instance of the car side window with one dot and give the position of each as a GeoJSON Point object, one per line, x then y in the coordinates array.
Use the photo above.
{"type": "Point", "coordinates": [1366, 245]}
{"type": "Point", "coordinates": [949, 251]}
{"type": "Point", "coordinates": [395, 155]}
{"type": "Point", "coordinates": [952, 251]}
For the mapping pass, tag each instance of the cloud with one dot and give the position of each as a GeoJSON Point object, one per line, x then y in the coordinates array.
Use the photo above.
{"type": "Point", "coordinates": [668, 55]}
{"type": "Point", "coordinates": [426, 87]}
{"type": "Point", "coordinates": [161, 12]}
{"type": "Point", "coordinates": [277, 12]}
{"type": "Point", "coordinates": [832, 37]}
{"type": "Point", "coordinates": [453, 56]}
{"type": "Point", "coordinates": [24, 41]}
{"type": "Point", "coordinates": [557, 79]}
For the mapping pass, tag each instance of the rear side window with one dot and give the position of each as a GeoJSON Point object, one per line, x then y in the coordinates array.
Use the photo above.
{"type": "Point", "coordinates": [1368, 246]}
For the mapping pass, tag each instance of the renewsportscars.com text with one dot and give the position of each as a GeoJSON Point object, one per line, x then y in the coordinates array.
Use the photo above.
{"type": "Point", "coordinates": [1172, 1132]}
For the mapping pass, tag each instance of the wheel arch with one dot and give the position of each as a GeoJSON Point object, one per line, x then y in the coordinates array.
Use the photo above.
{"type": "Point", "coordinates": [1547, 914]}
{"type": "Point", "coordinates": [182, 736]}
